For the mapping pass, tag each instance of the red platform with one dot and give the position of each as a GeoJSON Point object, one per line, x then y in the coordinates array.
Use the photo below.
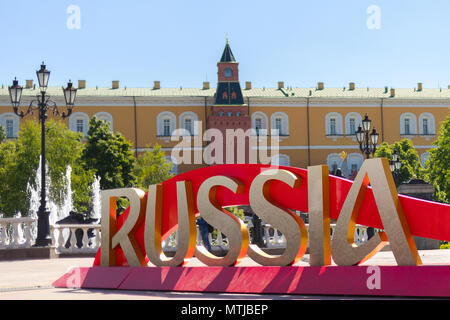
{"type": "Point", "coordinates": [419, 281]}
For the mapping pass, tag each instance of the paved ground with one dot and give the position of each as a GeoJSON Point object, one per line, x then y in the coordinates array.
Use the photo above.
{"type": "Point", "coordinates": [32, 279]}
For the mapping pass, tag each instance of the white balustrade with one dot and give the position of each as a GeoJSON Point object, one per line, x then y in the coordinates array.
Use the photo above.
{"type": "Point", "coordinates": [88, 245]}
{"type": "Point", "coordinates": [272, 237]}
{"type": "Point", "coordinates": [15, 232]}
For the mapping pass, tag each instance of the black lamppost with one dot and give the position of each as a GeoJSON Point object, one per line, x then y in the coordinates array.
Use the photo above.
{"type": "Point", "coordinates": [395, 164]}
{"type": "Point", "coordinates": [42, 104]}
{"type": "Point", "coordinates": [367, 142]}
{"type": "Point", "coordinates": [367, 145]}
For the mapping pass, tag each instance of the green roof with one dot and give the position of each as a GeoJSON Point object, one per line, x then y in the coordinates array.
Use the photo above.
{"type": "Point", "coordinates": [361, 93]}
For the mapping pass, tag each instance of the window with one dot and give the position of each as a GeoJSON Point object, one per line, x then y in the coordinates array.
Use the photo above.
{"type": "Point", "coordinates": [259, 123]}
{"type": "Point", "coordinates": [278, 125]}
{"type": "Point", "coordinates": [79, 122]}
{"type": "Point", "coordinates": [334, 162]}
{"type": "Point", "coordinates": [407, 129]}
{"type": "Point", "coordinates": [238, 114]}
{"type": "Point", "coordinates": [352, 121]}
{"type": "Point", "coordinates": [80, 125]}
{"type": "Point", "coordinates": [188, 125]}
{"type": "Point", "coordinates": [228, 73]}
{"type": "Point", "coordinates": [332, 126]}
{"type": "Point", "coordinates": [408, 124]}
{"type": "Point", "coordinates": [9, 128]}
{"type": "Point", "coordinates": [423, 158]}
{"type": "Point", "coordinates": [165, 123]}
{"type": "Point", "coordinates": [354, 162]}
{"type": "Point", "coordinates": [352, 126]}
{"type": "Point", "coordinates": [426, 124]}
{"type": "Point", "coordinates": [166, 126]}
{"type": "Point", "coordinates": [279, 122]}
{"type": "Point", "coordinates": [281, 160]}
{"type": "Point", "coordinates": [10, 123]}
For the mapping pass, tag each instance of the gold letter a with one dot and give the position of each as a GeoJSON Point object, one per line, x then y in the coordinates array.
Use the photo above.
{"type": "Point", "coordinates": [344, 251]}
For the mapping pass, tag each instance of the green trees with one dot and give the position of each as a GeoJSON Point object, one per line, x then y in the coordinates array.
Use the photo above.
{"type": "Point", "coordinates": [408, 156]}
{"type": "Point", "coordinates": [19, 161]}
{"type": "Point", "coordinates": [152, 167]}
{"type": "Point", "coordinates": [437, 167]}
{"type": "Point", "coordinates": [109, 155]}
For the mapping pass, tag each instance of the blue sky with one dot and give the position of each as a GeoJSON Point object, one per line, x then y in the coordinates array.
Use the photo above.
{"type": "Point", "coordinates": [180, 42]}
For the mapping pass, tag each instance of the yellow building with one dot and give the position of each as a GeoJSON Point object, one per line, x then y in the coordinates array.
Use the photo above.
{"type": "Point", "coordinates": [315, 124]}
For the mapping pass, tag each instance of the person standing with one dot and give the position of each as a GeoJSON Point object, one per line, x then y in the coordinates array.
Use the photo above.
{"type": "Point", "coordinates": [204, 232]}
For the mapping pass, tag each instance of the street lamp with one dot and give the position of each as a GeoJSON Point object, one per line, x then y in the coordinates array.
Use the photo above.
{"type": "Point", "coordinates": [395, 164]}
{"type": "Point", "coordinates": [42, 104]}
{"type": "Point", "coordinates": [367, 141]}
{"type": "Point", "coordinates": [368, 145]}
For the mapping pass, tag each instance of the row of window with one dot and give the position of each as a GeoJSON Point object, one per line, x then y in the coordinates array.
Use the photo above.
{"type": "Point", "coordinates": [78, 122]}
{"type": "Point", "coordinates": [166, 122]}
{"type": "Point", "coordinates": [279, 121]}
{"type": "Point", "coordinates": [408, 124]}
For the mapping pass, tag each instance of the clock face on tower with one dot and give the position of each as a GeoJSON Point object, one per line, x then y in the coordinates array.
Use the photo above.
{"type": "Point", "coordinates": [228, 73]}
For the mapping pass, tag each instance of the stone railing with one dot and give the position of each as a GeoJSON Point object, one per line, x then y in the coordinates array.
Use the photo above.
{"type": "Point", "coordinates": [76, 238]}
{"type": "Point", "coordinates": [272, 238]}
{"type": "Point", "coordinates": [15, 232]}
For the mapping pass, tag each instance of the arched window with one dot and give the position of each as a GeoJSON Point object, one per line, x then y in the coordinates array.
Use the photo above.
{"type": "Point", "coordinates": [107, 117]}
{"type": "Point", "coordinates": [426, 124]}
{"type": "Point", "coordinates": [165, 123]}
{"type": "Point", "coordinates": [174, 162]}
{"type": "Point", "coordinates": [352, 121]}
{"type": "Point", "coordinates": [423, 158]}
{"type": "Point", "coordinates": [11, 123]}
{"type": "Point", "coordinates": [354, 162]}
{"type": "Point", "coordinates": [408, 124]}
{"type": "Point", "coordinates": [259, 123]}
{"type": "Point", "coordinates": [79, 122]}
{"type": "Point", "coordinates": [281, 160]}
{"type": "Point", "coordinates": [279, 123]}
{"type": "Point", "coordinates": [333, 124]}
{"type": "Point", "coordinates": [189, 122]}
{"type": "Point", "coordinates": [334, 161]}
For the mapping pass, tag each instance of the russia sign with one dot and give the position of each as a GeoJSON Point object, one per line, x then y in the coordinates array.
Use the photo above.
{"type": "Point", "coordinates": [134, 239]}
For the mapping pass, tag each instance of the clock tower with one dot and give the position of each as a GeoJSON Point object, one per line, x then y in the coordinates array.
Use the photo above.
{"type": "Point", "coordinates": [229, 110]}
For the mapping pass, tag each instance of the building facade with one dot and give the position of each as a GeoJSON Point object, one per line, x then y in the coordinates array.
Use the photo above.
{"type": "Point", "coordinates": [314, 124]}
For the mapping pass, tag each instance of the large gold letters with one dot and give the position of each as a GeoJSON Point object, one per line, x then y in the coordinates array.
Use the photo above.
{"type": "Point", "coordinates": [186, 232]}
{"type": "Point", "coordinates": [319, 216]}
{"type": "Point", "coordinates": [344, 251]}
{"type": "Point", "coordinates": [125, 235]}
{"type": "Point", "coordinates": [342, 248]}
{"type": "Point", "coordinates": [283, 219]}
{"type": "Point", "coordinates": [227, 223]}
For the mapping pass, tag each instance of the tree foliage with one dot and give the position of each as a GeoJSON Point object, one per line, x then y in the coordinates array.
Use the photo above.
{"type": "Point", "coordinates": [408, 156]}
{"type": "Point", "coordinates": [437, 167]}
{"type": "Point", "coordinates": [152, 167]}
{"type": "Point", "coordinates": [19, 161]}
{"type": "Point", "coordinates": [109, 154]}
